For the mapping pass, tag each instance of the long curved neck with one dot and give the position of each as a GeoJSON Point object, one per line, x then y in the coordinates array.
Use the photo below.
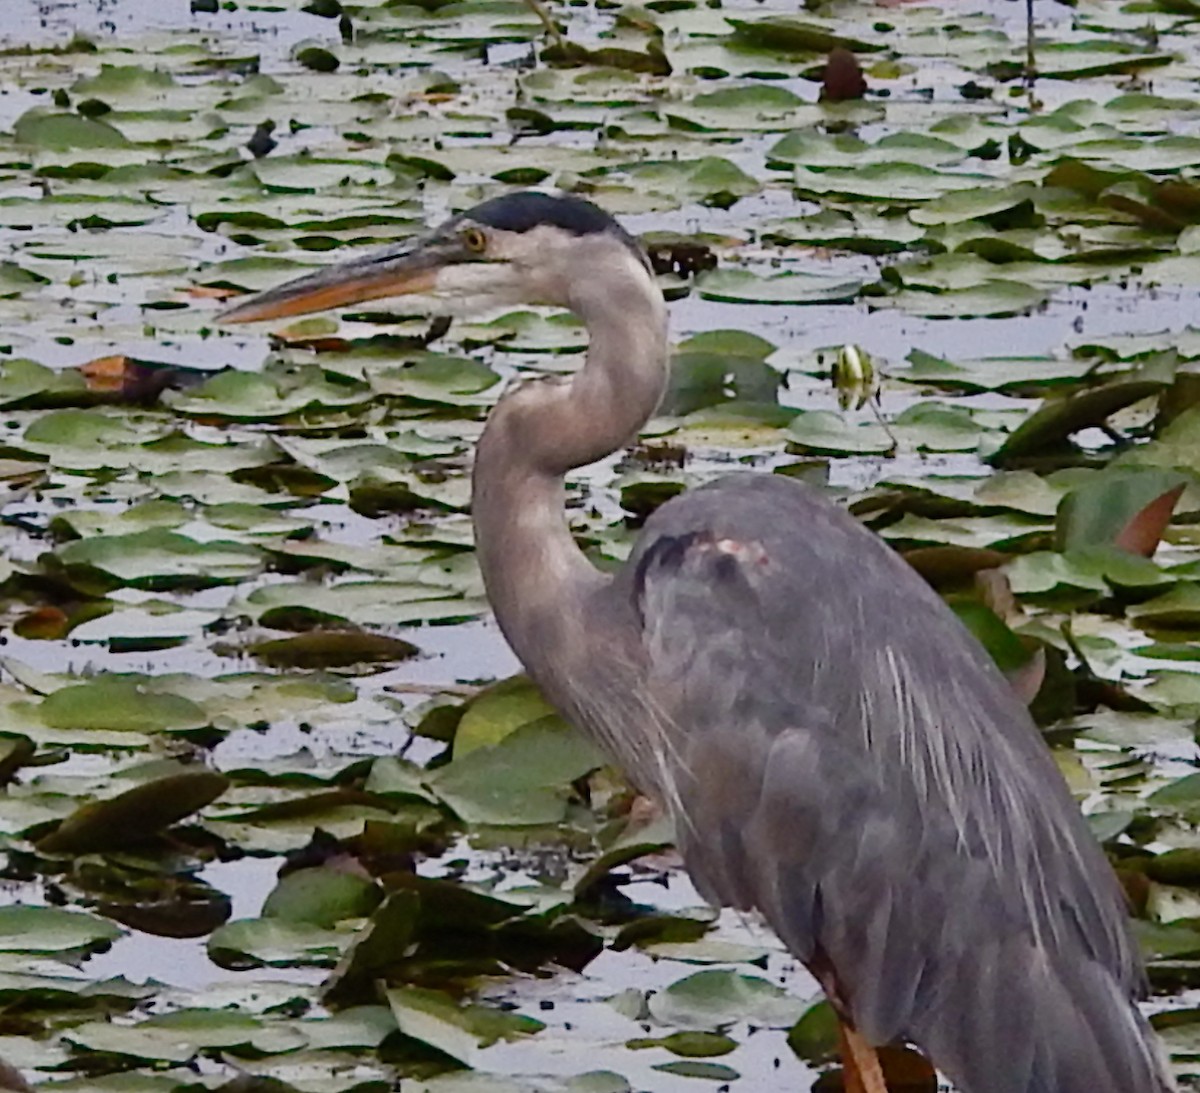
{"type": "Point", "coordinates": [537, 578]}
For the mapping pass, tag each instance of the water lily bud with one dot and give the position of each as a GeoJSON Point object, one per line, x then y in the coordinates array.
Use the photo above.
{"type": "Point", "coordinates": [854, 377]}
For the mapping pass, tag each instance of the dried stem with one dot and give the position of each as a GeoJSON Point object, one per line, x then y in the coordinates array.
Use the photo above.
{"type": "Point", "coordinates": [552, 31]}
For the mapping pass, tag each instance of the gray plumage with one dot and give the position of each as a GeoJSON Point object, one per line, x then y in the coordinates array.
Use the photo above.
{"type": "Point", "coordinates": [925, 857]}
{"type": "Point", "coordinates": [837, 751]}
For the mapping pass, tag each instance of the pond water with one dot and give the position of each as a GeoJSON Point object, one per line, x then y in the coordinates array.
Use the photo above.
{"type": "Point", "coordinates": [189, 513]}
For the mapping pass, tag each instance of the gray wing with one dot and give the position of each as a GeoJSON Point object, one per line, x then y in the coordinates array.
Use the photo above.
{"type": "Point", "coordinates": [844, 757]}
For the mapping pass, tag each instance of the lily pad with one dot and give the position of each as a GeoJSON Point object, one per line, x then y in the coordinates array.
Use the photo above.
{"type": "Point", "coordinates": [717, 999]}
{"type": "Point", "coordinates": [66, 132]}
{"type": "Point", "coordinates": [435, 1019]}
{"type": "Point", "coordinates": [135, 816]}
{"type": "Point", "coordinates": [824, 431]}
{"type": "Point", "coordinates": [52, 930]}
{"type": "Point", "coordinates": [122, 704]}
{"type": "Point", "coordinates": [322, 896]}
{"type": "Point", "coordinates": [744, 287]}
{"type": "Point", "coordinates": [160, 559]}
{"type": "Point", "coordinates": [523, 779]}
{"type": "Point", "coordinates": [332, 649]}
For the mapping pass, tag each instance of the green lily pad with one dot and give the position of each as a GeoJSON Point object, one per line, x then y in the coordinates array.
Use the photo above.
{"type": "Point", "coordinates": [252, 396]}
{"type": "Point", "coordinates": [332, 649]}
{"type": "Point", "coordinates": [1178, 607]}
{"type": "Point", "coordinates": [743, 287]}
{"type": "Point", "coordinates": [825, 432]}
{"type": "Point", "coordinates": [322, 897]}
{"type": "Point", "coordinates": [786, 34]}
{"type": "Point", "coordinates": [812, 150]}
{"type": "Point", "coordinates": [716, 999]}
{"type": "Point", "coordinates": [1128, 508]}
{"type": "Point", "coordinates": [991, 299]}
{"type": "Point", "coordinates": [1056, 420]}
{"type": "Point", "coordinates": [160, 559]}
{"type": "Point", "coordinates": [897, 182]}
{"type": "Point", "coordinates": [120, 704]}
{"type": "Point", "coordinates": [713, 1072]}
{"type": "Point", "coordinates": [434, 378]}
{"type": "Point", "coordinates": [1012, 375]}
{"type": "Point", "coordinates": [177, 1037]}
{"type": "Point", "coordinates": [523, 779]}
{"type": "Point", "coordinates": [275, 943]}
{"type": "Point", "coordinates": [497, 712]}
{"type": "Point", "coordinates": [52, 930]}
{"type": "Point", "coordinates": [815, 1037]}
{"type": "Point", "coordinates": [434, 1018]}
{"type": "Point", "coordinates": [66, 132]}
{"type": "Point", "coordinates": [709, 180]}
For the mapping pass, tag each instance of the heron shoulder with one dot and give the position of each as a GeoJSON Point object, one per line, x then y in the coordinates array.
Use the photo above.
{"type": "Point", "coordinates": [784, 537]}
{"type": "Point", "coordinates": [766, 506]}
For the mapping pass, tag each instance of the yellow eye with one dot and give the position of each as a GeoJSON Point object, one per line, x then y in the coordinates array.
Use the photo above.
{"type": "Point", "coordinates": [474, 240]}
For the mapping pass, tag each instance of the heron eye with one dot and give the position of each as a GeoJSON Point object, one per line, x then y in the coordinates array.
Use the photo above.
{"type": "Point", "coordinates": [474, 240]}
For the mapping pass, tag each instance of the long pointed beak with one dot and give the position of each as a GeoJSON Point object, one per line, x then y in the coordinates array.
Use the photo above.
{"type": "Point", "coordinates": [406, 269]}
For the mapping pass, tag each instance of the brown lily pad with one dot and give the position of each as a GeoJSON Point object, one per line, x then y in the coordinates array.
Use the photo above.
{"type": "Point", "coordinates": [332, 649]}
{"type": "Point", "coordinates": [843, 77]}
{"type": "Point", "coordinates": [1128, 508]}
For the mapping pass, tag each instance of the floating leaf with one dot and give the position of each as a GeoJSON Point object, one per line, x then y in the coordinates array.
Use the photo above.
{"type": "Point", "coordinates": [177, 1036]}
{"type": "Point", "coordinates": [712, 1072]}
{"type": "Point", "coordinates": [524, 779]}
{"type": "Point", "coordinates": [498, 711]}
{"type": "Point", "coordinates": [790, 35]}
{"type": "Point", "coordinates": [892, 182]}
{"type": "Point", "coordinates": [321, 896]}
{"type": "Point", "coordinates": [635, 842]}
{"type": "Point", "coordinates": [1128, 508]}
{"type": "Point", "coordinates": [709, 181]}
{"type": "Point", "coordinates": [160, 558]}
{"type": "Point", "coordinates": [135, 816]}
{"type": "Point", "coordinates": [332, 649]}
{"type": "Point", "coordinates": [826, 432]}
{"type": "Point", "coordinates": [66, 132]}
{"type": "Point", "coordinates": [815, 1037]}
{"type": "Point", "coordinates": [123, 704]}
{"type": "Point", "coordinates": [253, 396]}
{"type": "Point", "coordinates": [715, 999]}
{"type": "Point", "coordinates": [435, 1019]}
{"type": "Point", "coordinates": [50, 930]}
{"type": "Point", "coordinates": [742, 287]}
{"type": "Point", "coordinates": [991, 299]}
{"type": "Point", "coordinates": [274, 942]}
{"type": "Point", "coordinates": [1058, 419]}
{"type": "Point", "coordinates": [1179, 607]}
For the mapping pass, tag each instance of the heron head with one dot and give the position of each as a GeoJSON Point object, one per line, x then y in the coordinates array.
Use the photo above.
{"type": "Point", "coordinates": [522, 248]}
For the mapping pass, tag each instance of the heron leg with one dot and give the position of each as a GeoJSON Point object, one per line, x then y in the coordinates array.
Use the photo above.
{"type": "Point", "coordinates": [861, 1070]}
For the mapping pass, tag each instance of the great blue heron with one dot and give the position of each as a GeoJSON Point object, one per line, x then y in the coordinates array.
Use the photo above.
{"type": "Point", "coordinates": [836, 749]}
